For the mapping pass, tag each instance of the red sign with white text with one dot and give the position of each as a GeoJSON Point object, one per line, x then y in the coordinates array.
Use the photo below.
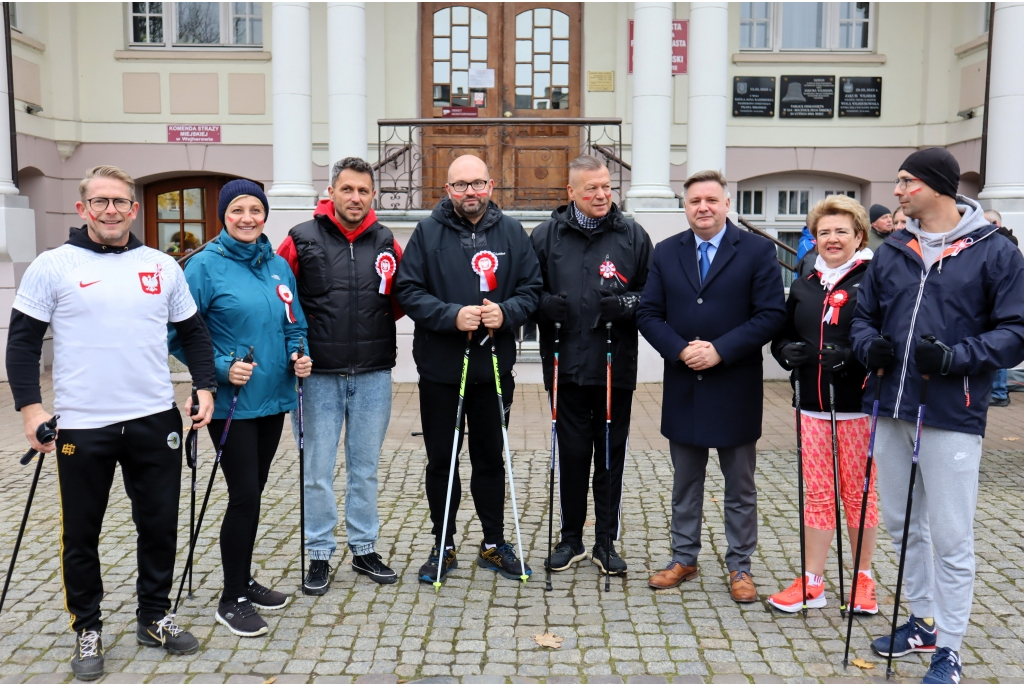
{"type": "Point", "coordinates": [680, 31]}
{"type": "Point", "coordinates": [460, 112]}
{"type": "Point", "coordinates": [193, 133]}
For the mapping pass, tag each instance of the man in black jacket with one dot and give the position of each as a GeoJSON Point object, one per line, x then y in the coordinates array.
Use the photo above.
{"type": "Point", "coordinates": [467, 268]}
{"type": "Point", "coordinates": [594, 262]}
{"type": "Point", "coordinates": [344, 262]}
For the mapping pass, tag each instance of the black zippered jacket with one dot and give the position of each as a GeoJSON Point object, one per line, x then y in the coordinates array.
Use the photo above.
{"type": "Point", "coordinates": [570, 262]}
{"type": "Point", "coordinates": [436, 280]}
{"type": "Point", "coordinates": [805, 311]}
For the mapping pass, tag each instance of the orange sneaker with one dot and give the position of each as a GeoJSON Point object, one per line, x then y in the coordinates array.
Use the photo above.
{"type": "Point", "coordinates": [789, 599]}
{"type": "Point", "coordinates": [866, 602]}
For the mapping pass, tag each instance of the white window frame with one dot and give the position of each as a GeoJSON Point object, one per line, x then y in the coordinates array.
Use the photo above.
{"type": "Point", "coordinates": [842, 192]}
{"type": "Point", "coordinates": [170, 18]}
{"type": "Point", "coordinates": [14, 16]}
{"type": "Point", "coordinates": [799, 215]}
{"type": "Point", "coordinates": [751, 214]}
{"type": "Point", "coordinates": [831, 37]}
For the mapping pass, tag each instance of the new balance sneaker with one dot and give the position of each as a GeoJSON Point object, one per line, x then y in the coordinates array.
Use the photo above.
{"type": "Point", "coordinates": [912, 636]}
{"type": "Point", "coordinates": [564, 556]}
{"type": "Point", "coordinates": [371, 565]}
{"type": "Point", "coordinates": [265, 598]}
{"type": "Point", "coordinates": [87, 661]}
{"type": "Point", "coordinates": [502, 559]}
{"type": "Point", "coordinates": [240, 617]}
{"type": "Point", "coordinates": [616, 566]}
{"type": "Point", "coordinates": [789, 599]}
{"type": "Point", "coordinates": [165, 633]}
{"type": "Point", "coordinates": [866, 601]}
{"type": "Point", "coordinates": [318, 578]}
{"type": "Point", "coordinates": [946, 667]}
{"type": "Point", "coordinates": [428, 571]}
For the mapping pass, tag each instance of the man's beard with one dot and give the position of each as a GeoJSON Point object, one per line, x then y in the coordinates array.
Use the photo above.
{"type": "Point", "coordinates": [480, 209]}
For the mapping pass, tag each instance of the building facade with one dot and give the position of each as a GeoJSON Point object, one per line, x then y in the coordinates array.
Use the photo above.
{"type": "Point", "coordinates": [793, 101]}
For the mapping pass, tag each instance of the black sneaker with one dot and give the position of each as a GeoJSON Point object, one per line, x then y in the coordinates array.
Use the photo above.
{"type": "Point", "coordinates": [371, 565]}
{"type": "Point", "coordinates": [87, 661]}
{"type": "Point", "coordinates": [165, 633]}
{"type": "Point", "coordinates": [428, 571]}
{"type": "Point", "coordinates": [317, 581]}
{"type": "Point", "coordinates": [565, 556]}
{"type": "Point", "coordinates": [240, 617]}
{"type": "Point", "coordinates": [265, 598]}
{"type": "Point", "coordinates": [503, 560]}
{"type": "Point", "coordinates": [1000, 401]}
{"type": "Point", "coordinates": [616, 566]}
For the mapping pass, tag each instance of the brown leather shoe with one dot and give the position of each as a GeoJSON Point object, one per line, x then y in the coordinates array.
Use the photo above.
{"type": "Point", "coordinates": [741, 585]}
{"type": "Point", "coordinates": [672, 576]}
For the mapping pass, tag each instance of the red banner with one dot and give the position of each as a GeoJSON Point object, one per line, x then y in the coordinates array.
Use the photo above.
{"type": "Point", "coordinates": [680, 59]}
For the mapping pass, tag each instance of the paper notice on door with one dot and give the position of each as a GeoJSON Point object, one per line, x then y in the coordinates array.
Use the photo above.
{"type": "Point", "coordinates": [481, 78]}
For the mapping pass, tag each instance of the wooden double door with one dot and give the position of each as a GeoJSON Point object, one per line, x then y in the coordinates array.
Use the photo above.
{"type": "Point", "coordinates": [502, 62]}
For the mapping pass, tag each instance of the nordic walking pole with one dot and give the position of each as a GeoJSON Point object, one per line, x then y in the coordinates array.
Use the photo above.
{"type": "Point", "coordinates": [835, 488]}
{"type": "Point", "coordinates": [508, 457]}
{"type": "Point", "coordinates": [248, 359]}
{"type": "Point", "coordinates": [302, 474]}
{"type": "Point", "coordinates": [906, 522]}
{"type": "Point", "coordinates": [863, 510]}
{"type": "Point", "coordinates": [800, 489]}
{"type": "Point", "coordinates": [455, 454]}
{"type": "Point", "coordinates": [192, 457]}
{"type": "Point", "coordinates": [46, 432]}
{"type": "Point", "coordinates": [554, 433]}
{"type": "Point", "coordinates": [608, 451]}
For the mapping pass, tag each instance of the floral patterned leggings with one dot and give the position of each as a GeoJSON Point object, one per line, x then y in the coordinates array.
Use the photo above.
{"type": "Point", "coordinates": [819, 493]}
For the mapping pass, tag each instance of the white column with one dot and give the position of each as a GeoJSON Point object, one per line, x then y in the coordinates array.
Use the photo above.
{"type": "Point", "coordinates": [1004, 172]}
{"type": "Point", "coordinates": [346, 80]}
{"type": "Point", "coordinates": [708, 103]}
{"type": "Point", "coordinates": [652, 106]}
{"type": "Point", "coordinates": [293, 108]}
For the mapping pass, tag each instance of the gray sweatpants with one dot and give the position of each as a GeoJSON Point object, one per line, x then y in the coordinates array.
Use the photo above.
{"type": "Point", "coordinates": [939, 571]}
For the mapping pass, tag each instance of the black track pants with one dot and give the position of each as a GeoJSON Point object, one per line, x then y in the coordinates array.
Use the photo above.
{"type": "Point", "coordinates": [581, 426]}
{"type": "Point", "coordinates": [248, 451]}
{"type": "Point", "coordinates": [149, 452]}
{"type": "Point", "coordinates": [438, 405]}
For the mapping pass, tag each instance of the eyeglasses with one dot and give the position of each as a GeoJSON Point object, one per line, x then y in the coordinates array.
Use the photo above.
{"type": "Point", "coordinates": [98, 204]}
{"type": "Point", "coordinates": [902, 183]}
{"type": "Point", "coordinates": [461, 186]}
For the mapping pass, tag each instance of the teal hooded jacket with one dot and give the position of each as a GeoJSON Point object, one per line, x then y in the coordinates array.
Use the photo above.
{"type": "Point", "coordinates": [246, 295]}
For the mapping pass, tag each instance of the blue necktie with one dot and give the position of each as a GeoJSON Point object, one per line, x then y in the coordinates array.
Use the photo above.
{"type": "Point", "coordinates": [703, 261]}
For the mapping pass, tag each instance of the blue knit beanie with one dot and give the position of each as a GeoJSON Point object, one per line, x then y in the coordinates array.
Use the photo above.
{"type": "Point", "coordinates": [237, 188]}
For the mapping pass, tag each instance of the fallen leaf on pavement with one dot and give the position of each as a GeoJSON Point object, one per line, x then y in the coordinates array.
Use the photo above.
{"type": "Point", "coordinates": [548, 640]}
{"type": "Point", "coordinates": [1011, 439]}
{"type": "Point", "coordinates": [270, 680]}
{"type": "Point", "coordinates": [588, 524]}
{"type": "Point", "coordinates": [714, 499]}
{"type": "Point", "coordinates": [860, 663]}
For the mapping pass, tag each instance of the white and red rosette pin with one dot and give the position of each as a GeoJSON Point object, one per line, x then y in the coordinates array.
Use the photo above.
{"type": "Point", "coordinates": [386, 265]}
{"type": "Point", "coordinates": [608, 270]}
{"type": "Point", "coordinates": [485, 263]}
{"type": "Point", "coordinates": [836, 300]}
{"type": "Point", "coordinates": [285, 293]}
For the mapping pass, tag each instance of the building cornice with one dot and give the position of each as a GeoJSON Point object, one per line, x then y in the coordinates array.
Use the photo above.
{"type": "Point", "coordinates": [227, 55]}
{"type": "Point", "coordinates": [808, 58]}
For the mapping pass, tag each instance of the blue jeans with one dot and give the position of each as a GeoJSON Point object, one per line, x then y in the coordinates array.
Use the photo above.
{"type": "Point", "coordinates": [999, 385]}
{"type": "Point", "coordinates": [362, 400]}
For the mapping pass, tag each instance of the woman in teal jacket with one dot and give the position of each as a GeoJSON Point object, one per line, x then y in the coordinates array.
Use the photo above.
{"type": "Point", "coordinates": [245, 293]}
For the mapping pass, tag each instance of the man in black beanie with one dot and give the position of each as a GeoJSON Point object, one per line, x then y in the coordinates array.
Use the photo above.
{"type": "Point", "coordinates": [943, 300]}
{"type": "Point", "coordinates": [881, 226]}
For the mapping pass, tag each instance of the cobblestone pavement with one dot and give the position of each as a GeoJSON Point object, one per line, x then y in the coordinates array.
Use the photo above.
{"type": "Point", "coordinates": [481, 627]}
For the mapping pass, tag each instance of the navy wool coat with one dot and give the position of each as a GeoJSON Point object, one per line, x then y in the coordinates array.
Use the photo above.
{"type": "Point", "coordinates": [739, 308]}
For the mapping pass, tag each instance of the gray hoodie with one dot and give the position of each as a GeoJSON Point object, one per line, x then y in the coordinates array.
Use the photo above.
{"type": "Point", "coordinates": [933, 244]}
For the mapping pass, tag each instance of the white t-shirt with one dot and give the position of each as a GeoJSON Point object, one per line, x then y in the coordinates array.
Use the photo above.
{"type": "Point", "coordinates": [109, 316]}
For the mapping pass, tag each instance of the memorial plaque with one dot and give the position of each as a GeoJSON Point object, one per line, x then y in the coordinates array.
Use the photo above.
{"type": "Point", "coordinates": [807, 97]}
{"type": "Point", "coordinates": [860, 96]}
{"type": "Point", "coordinates": [753, 96]}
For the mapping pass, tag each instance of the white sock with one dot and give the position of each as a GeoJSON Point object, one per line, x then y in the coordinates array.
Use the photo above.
{"type": "Point", "coordinates": [489, 546]}
{"type": "Point", "coordinates": [867, 573]}
{"type": "Point", "coordinates": [813, 580]}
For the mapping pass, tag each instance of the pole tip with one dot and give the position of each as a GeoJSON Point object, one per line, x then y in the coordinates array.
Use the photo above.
{"type": "Point", "coordinates": [437, 586]}
{"type": "Point", "coordinates": [524, 578]}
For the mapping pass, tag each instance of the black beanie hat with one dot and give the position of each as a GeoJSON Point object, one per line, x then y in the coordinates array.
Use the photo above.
{"type": "Point", "coordinates": [237, 188]}
{"type": "Point", "coordinates": [878, 211]}
{"type": "Point", "coordinates": [936, 167]}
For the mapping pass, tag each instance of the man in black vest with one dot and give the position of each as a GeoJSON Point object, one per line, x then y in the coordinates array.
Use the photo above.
{"type": "Point", "coordinates": [345, 261]}
{"type": "Point", "coordinates": [594, 263]}
{"type": "Point", "coordinates": [468, 269]}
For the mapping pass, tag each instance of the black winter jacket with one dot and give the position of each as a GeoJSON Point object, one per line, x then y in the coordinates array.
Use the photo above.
{"type": "Point", "coordinates": [805, 313]}
{"type": "Point", "coordinates": [570, 261]}
{"type": "Point", "coordinates": [436, 279]}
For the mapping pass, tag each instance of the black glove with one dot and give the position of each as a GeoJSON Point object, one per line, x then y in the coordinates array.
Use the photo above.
{"type": "Point", "coordinates": [555, 307]}
{"type": "Point", "coordinates": [833, 358]}
{"type": "Point", "coordinates": [881, 353]}
{"type": "Point", "coordinates": [611, 307]}
{"type": "Point", "coordinates": [795, 354]}
{"type": "Point", "coordinates": [931, 356]}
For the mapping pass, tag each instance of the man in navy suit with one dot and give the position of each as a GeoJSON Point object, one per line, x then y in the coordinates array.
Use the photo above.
{"type": "Point", "coordinates": [713, 298]}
